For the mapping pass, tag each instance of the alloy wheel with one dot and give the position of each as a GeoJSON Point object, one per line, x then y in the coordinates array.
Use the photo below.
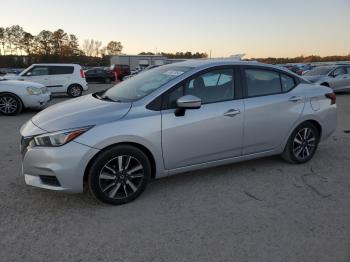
{"type": "Point", "coordinates": [121, 177]}
{"type": "Point", "coordinates": [75, 91]}
{"type": "Point", "coordinates": [8, 105]}
{"type": "Point", "coordinates": [304, 143]}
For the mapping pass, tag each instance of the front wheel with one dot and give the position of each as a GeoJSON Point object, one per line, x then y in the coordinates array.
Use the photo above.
{"type": "Point", "coordinates": [119, 175]}
{"type": "Point", "coordinates": [75, 90]}
{"type": "Point", "coordinates": [302, 144]}
{"type": "Point", "coordinates": [10, 104]}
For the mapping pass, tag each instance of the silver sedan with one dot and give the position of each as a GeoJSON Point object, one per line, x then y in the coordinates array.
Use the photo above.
{"type": "Point", "coordinates": [173, 119]}
{"type": "Point", "coordinates": [336, 77]}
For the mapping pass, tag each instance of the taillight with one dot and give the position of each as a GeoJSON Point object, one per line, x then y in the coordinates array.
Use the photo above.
{"type": "Point", "coordinates": [332, 97]}
{"type": "Point", "coordinates": [82, 74]}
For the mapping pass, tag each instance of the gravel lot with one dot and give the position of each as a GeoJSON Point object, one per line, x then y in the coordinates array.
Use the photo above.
{"type": "Point", "coordinates": [261, 210]}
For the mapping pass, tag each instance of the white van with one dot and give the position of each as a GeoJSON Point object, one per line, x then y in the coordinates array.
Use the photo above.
{"type": "Point", "coordinates": [58, 78]}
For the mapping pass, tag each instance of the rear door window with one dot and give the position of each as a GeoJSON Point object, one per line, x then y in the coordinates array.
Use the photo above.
{"type": "Point", "coordinates": [262, 82]}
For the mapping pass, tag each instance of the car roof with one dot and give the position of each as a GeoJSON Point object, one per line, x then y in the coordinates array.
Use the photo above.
{"type": "Point", "coordinates": [55, 64]}
{"type": "Point", "coordinates": [198, 63]}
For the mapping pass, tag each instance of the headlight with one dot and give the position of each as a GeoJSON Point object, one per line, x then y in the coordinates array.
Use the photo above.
{"type": "Point", "coordinates": [34, 90]}
{"type": "Point", "coordinates": [59, 138]}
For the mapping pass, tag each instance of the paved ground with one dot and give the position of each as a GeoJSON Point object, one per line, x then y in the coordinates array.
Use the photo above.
{"type": "Point", "coordinates": [261, 210]}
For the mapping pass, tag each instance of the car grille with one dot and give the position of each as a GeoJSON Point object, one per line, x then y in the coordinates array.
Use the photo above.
{"type": "Point", "coordinates": [25, 143]}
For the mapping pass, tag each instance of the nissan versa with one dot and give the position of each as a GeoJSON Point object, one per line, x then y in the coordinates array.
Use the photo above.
{"type": "Point", "coordinates": [172, 119]}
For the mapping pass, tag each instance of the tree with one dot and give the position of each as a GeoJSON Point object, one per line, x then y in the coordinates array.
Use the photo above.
{"type": "Point", "coordinates": [27, 43]}
{"type": "Point", "coordinates": [146, 53]}
{"type": "Point", "coordinates": [9, 38]}
{"type": "Point", "coordinates": [97, 46]}
{"type": "Point", "coordinates": [88, 47]}
{"type": "Point", "coordinates": [185, 55]}
{"type": "Point", "coordinates": [114, 48]}
{"type": "Point", "coordinates": [103, 51]}
{"type": "Point", "coordinates": [73, 46]}
{"type": "Point", "coordinates": [43, 43]}
{"type": "Point", "coordinates": [2, 39]}
{"type": "Point", "coordinates": [13, 36]}
{"type": "Point", "coordinates": [58, 40]}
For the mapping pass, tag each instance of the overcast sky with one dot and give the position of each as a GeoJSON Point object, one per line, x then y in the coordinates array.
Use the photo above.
{"type": "Point", "coordinates": [259, 28]}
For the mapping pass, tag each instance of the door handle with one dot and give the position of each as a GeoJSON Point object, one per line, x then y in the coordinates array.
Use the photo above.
{"type": "Point", "coordinates": [232, 112]}
{"type": "Point", "coordinates": [295, 98]}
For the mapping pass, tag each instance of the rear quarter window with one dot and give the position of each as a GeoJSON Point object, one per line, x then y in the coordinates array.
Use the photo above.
{"type": "Point", "coordinates": [288, 83]}
{"type": "Point", "coordinates": [61, 70]}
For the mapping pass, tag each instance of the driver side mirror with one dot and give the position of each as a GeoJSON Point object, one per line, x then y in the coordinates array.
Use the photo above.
{"type": "Point", "coordinates": [187, 102]}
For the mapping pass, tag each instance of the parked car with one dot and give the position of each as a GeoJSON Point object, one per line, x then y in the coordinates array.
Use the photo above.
{"type": "Point", "coordinates": [139, 70]}
{"type": "Point", "coordinates": [120, 70]}
{"type": "Point", "coordinates": [99, 75]}
{"type": "Point", "coordinates": [172, 119]}
{"type": "Point", "coordinates": [14, 71]}
{"type": "Point", "coordinates": [16, 95]}
{"type": "Point", "coordinates": [300, 69]}
{"type": "Point", "coordinates": [58, 78]}
{"type": "Point", "coordinates": [336, 77]}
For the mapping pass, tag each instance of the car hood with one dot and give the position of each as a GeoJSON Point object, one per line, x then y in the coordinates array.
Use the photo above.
{"type": "Point", "coordinates": [12, 77]}
{"type": "Point", "coordinates": [15, 83]}
{"type": "Point", "coordinates": [80, 112]}
{"type": "Point", "coordinates": [313, 79]}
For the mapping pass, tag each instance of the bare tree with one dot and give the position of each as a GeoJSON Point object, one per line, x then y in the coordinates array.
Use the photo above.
{"type": "Point", "coordinates": [88, 46]}
{"type": "Point", "coordinates": [97, 46]}
{"type": "Point", "coordinates": [103, 51]}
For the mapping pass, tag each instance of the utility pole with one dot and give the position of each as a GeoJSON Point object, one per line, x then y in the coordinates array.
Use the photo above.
{"type": "Point", "coordinates": [210, 53]}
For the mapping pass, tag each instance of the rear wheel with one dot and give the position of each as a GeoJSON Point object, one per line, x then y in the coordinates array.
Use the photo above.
{"type": "Point", "coordinates": [302, 144]}
{"type": "Point", "coordinates": [108, 80]}
{"type": "Point", "coordinates": [75, 90]}
{"type": "Point", "coordinates": [119, 175]}
{"type": "Point", "coordinates": [10, 104]}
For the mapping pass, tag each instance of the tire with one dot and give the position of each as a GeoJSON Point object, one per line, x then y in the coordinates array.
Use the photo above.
{"type": "Point", "coordinates": [108, 80]}
{"type": "Point", "coordinates": [10, 104]}
{"type": "Point", "coordinates": [302, 146]}
{"type": "Point", "coordinates": [325, 84]}
{"type": "Point", "coordinates": [119, 175]}
{"type": "Point", "coordinates": [75, 90]}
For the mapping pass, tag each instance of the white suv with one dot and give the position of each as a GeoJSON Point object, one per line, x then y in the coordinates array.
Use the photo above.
{"type": "Point", "coordinates": [58, 78]}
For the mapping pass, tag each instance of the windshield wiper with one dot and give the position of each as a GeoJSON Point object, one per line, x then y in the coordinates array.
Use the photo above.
{"type": "Point", "coordinates": [106, 98]}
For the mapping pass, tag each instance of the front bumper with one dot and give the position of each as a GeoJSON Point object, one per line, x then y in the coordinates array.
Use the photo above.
{"type": "Point", "coordinates": [36, 101]}
{"type": "Point", "coordinates": [56, 168]}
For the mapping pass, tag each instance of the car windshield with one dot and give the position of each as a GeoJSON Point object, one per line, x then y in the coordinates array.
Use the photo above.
{"type": "Point", "coordinates": [322, 70]}
{"type": "Point", "coordinates": [143, 84]}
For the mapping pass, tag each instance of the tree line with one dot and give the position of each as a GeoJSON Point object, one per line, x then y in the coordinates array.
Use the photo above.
{"type": "Point", "coordinates": [178, 55]}
{"type": "Point", "coordinates": [302, 59]}
{"type": "Point", "coordinates": [14, 40]}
